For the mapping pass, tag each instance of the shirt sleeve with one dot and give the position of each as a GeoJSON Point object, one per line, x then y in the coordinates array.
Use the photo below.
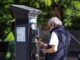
{"type": "Point", "coordinates": [54, 39]}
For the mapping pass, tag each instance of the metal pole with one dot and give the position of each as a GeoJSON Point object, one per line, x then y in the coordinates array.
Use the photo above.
{"type": "Point", "coordinates": [37, 47]}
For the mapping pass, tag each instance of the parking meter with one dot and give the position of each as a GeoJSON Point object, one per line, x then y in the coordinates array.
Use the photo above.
{"type": "Point", "coordinates": [25, 28]}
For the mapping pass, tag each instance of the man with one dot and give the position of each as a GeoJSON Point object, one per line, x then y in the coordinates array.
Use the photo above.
{"type": "Point", "coordinates": [56, 48]}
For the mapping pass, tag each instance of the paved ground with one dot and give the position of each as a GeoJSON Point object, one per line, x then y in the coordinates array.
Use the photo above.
{"type": "Point", "coordinates": [72, 58]}
{"type": "Point", "coordinates": [69, 58]}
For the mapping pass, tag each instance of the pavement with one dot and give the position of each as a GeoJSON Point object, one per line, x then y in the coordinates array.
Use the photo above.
{"type": "Point", "coordinates": [72, 58]}
{"type": "Point", "coordinates": [68, 58]}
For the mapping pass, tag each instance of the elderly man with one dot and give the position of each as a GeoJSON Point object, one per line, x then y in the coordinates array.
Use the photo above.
{"type": "Point", "coordinates": [56, 47]}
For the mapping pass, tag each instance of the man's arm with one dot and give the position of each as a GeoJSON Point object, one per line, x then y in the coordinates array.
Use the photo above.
{"type": "Point", "coordinates": [53, 49]}
{"type": "Point", "coordinates": [54, 41]}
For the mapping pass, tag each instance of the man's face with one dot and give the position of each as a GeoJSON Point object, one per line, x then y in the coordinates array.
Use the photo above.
{"type": "Point", "coordinates": [50, 26]}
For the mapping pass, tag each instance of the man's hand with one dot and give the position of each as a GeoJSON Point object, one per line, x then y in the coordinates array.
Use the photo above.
{"type": "Point", "coordinates": [41, 43]}
{"type": "Point", "coordinates": [44, 51]}
{"type": "Point", "coordinates": [44, 45]}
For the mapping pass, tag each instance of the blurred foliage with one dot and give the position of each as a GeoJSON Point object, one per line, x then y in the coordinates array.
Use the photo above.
{"type": "Point", "coordinates": [10, 37]}
{"type": "Point", "coordinates": [70, 16]}
{"type": "Point", "coordinates": [5, 24]}
{"type": "Point", "coordinates": [5, 17]}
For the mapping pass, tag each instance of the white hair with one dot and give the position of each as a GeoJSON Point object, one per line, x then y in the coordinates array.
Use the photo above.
{"type": "Point", "coordinates": [55, 20]}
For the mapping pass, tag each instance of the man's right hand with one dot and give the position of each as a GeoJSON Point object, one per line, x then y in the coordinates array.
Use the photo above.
{"type": "Point", "coordinates": [42, 44]}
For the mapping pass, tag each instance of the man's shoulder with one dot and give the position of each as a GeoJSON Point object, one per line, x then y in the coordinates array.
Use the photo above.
{"type": "Point", "coordinates": [54, 33]}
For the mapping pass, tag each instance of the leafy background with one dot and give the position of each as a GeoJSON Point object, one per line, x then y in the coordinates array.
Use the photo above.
{"type": "Point", "coordinates": [70, 10]}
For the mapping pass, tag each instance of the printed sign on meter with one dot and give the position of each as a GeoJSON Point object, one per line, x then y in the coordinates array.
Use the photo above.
{"type": "Point", "coordinates": [20, 34]}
